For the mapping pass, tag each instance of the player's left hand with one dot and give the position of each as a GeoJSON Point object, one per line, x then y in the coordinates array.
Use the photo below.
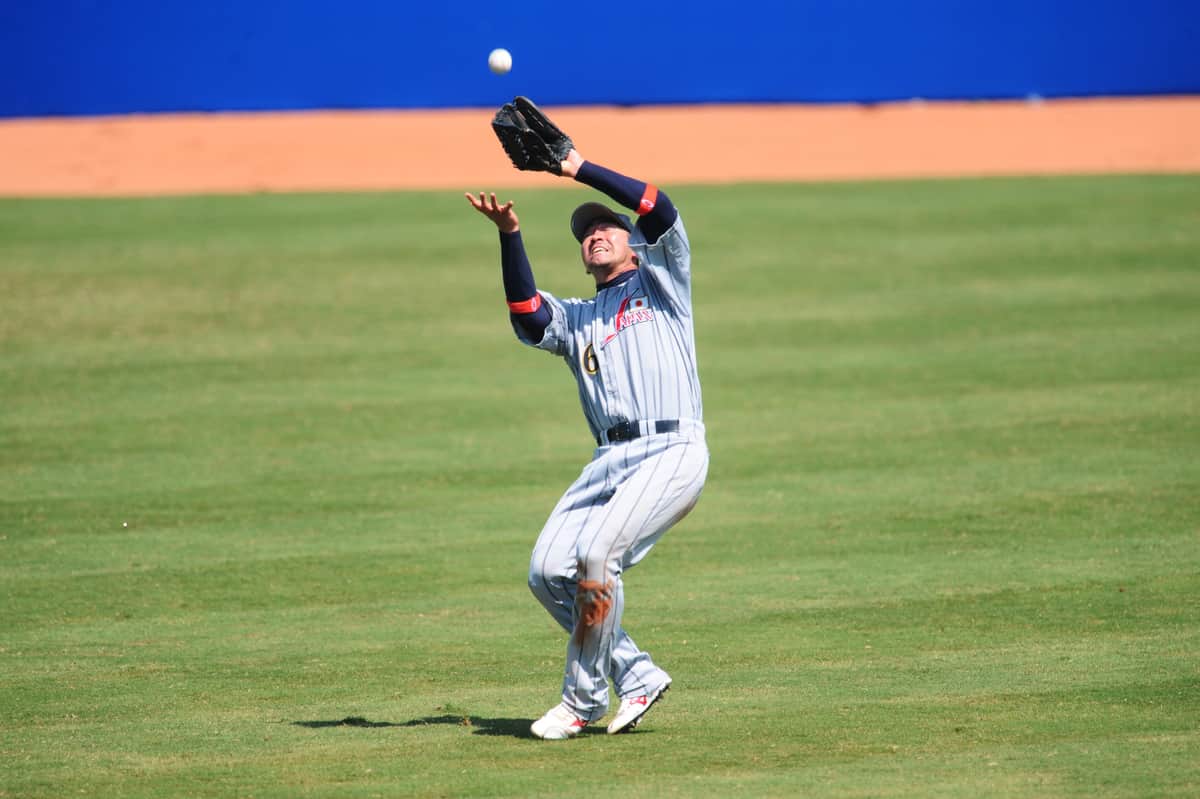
{"type": "Point", "coordinates": [530, 140]}
{"type": "Point", "coordinates": [504, 217]}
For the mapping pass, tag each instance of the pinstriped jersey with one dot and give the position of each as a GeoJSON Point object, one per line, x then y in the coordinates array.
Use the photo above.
{"type": "Point", "coordinates": [632, 347]}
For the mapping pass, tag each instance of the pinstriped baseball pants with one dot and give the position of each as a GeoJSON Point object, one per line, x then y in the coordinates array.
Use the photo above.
{"type": "Point", "coordinates": [621, 504]}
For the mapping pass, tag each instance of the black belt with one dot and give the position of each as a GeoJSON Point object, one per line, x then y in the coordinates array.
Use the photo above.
{"type": "Point", "coordinates": [628, 431]}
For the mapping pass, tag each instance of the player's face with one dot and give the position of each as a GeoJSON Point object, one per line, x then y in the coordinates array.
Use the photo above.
{"type": "Point", "coordinates": [605, 249]}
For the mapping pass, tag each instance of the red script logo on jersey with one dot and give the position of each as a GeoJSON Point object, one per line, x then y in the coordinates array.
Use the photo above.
{"type": "Point", "coordinates": [632, 311]}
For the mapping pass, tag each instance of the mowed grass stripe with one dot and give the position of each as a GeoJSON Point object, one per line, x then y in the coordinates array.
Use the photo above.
{"type": "Point", "coordinates": [270, 468]}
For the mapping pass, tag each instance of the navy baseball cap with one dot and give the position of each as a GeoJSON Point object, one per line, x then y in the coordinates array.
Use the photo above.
{"type": "Point", "coordinates": [589, 213]}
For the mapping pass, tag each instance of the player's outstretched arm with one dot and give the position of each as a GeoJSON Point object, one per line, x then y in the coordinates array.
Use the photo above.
{"type": "Point", "coordinates": [656, 213]}
{"type": "Point", "coordinates": [525, 305]}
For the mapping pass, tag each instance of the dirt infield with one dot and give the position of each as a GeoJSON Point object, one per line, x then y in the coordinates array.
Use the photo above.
{"type": "Point", "coordinates": [372, 150]}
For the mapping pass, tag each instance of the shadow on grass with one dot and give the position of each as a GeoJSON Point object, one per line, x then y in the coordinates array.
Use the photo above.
{"type": "Point", "coordinates": [516, 728]}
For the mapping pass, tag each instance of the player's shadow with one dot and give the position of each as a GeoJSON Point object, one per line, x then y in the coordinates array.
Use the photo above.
{"type": "Point", "coordinates": [515, 728]}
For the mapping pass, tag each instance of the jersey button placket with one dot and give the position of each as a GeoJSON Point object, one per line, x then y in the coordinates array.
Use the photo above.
{"type": "Point", "coordinates": [606, 374]}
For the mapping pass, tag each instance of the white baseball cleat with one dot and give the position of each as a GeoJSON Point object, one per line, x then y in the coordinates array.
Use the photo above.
{"type": "Point", "coordinates": [633, 708]}
{"type": "Point", "coordinates": [559, 723]}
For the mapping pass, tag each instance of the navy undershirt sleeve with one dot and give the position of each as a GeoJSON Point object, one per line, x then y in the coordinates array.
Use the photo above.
{"type": "Point", "coordinates": [519, 286]}
{"type": "Point", "coordinates": [628, 192]}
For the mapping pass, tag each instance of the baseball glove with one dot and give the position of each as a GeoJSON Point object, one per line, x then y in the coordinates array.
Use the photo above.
{"type": "Point", "coordinates": [530, 139]}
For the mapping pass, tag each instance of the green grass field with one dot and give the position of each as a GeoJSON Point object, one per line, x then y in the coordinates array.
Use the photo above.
{"type": "Point", "coordinates": [949, 547]}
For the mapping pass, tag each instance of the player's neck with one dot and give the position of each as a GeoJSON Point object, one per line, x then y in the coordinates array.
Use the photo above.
{"type": "Point", "coordinates": [607, 277]}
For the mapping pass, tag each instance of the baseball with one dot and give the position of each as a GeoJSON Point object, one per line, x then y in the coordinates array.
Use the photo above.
{"type": "Point", "coordinates": [500, 61]}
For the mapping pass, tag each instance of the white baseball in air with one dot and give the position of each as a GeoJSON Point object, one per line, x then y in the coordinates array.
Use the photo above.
{"type": "Point", "coordinates": [500, 61]}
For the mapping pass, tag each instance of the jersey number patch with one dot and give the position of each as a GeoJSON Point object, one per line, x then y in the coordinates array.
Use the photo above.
{"type": "Point", "coordinates": [591, 364]}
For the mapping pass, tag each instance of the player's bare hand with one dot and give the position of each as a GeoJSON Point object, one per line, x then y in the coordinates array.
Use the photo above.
{"type": "Point", "coordinates": [503, 216]}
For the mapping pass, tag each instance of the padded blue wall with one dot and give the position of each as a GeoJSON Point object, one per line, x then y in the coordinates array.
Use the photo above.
{"type": "Point", "coordinates": [92, 57]}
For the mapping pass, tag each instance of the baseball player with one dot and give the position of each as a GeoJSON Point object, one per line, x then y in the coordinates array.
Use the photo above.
{"type": "Point", "coordinates": [631, 349]}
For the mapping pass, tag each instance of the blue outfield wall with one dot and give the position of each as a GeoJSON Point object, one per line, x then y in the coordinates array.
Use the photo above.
{"type": "Point", "coordinates": [63, 57]}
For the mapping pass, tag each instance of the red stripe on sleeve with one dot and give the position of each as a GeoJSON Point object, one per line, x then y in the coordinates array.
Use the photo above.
{"type": "Point", "coordinates": [527, 306]}
{"type": "Point", "coordinates": [649, 198]}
